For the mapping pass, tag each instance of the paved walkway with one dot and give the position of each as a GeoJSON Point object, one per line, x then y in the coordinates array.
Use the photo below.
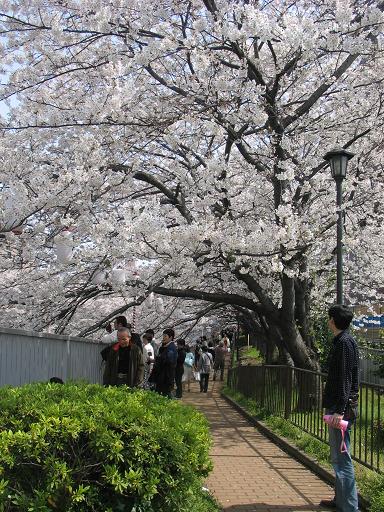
{"type": "Point", "coordinates": [250, 472]}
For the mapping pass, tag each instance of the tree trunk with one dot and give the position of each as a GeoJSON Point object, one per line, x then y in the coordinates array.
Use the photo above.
{"type": "Point", "coordinates": [303, 356]}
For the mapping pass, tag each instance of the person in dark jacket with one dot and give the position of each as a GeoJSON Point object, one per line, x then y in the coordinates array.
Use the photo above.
{"type": "Point", "coordinates": [124, 364]}
{"type": "Point", "coordinates": [179, 370]}
{"type": "Point", "coordinates": [211, 350]}
{"type": "Point", "coordinates": [340, 401]}
{"type": "Point", "coordinates": [163, 373]}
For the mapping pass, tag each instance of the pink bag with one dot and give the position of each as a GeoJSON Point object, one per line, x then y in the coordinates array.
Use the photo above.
{"type": "Point", "coordinates": [343, 425]}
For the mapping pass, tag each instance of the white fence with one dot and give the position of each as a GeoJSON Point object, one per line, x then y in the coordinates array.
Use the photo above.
{"type": "Point", "coordinates": [27, 356]}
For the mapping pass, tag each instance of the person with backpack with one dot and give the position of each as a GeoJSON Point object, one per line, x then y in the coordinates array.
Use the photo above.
{"type": "Point", "coordinates": [188, 368]}
{"type": "Point", "coordinates": [204, 366]}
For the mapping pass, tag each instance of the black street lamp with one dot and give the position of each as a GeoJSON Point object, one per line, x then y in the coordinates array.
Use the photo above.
{"type": "Point", "coordinates": [338, 160]}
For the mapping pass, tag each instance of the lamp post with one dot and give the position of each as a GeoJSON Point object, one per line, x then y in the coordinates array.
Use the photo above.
{"type": "Point", "coordinates": [338, 161]}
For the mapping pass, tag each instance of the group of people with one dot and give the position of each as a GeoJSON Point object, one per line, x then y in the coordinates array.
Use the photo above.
{"type": "Point", "coordinates": [160, 365]}
{"type": "Point", "coordinates": [163, 366]}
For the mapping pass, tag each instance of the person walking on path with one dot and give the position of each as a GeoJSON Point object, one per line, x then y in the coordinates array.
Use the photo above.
{"type": "Point", "coordinates": [163, 373]}
{"type": "Point", "coordinates": [204, 366]}
{"type": "Point", "coordinates": [227, 343]}
{"type": "Point", "coordinates": [340, 401]}
{"type": "Point", "coordinates": [179, 370]}
{"type": "Point", "coordinates": [188, 368]}
{"type": "Point", "coordinates": [149, 360]}
{"type": "Point", "coordinates": [211, 350]}
{"type": "Point", "coordinates": [120, 322]}
{"type": "Point", "coordinates": [150, 333]}
{"type": "Point", "coordinates": [124, 364]}
{"type": "Point", "coordinates": [220, 353]}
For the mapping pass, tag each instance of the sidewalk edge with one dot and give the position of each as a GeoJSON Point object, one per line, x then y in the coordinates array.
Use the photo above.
{"type": "Point", "coordinates": [291, 449]}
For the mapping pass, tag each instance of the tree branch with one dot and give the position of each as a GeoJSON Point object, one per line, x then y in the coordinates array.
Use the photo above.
{"type": "Point", "coordinates": [225, 298]}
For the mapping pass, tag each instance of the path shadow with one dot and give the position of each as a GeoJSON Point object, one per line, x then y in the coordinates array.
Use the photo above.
{"type": "Point", "coordinates": [265, 507]}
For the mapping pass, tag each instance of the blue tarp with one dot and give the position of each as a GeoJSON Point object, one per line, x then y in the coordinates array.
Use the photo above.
{"type": "Point", "coordinates": [368, 322]}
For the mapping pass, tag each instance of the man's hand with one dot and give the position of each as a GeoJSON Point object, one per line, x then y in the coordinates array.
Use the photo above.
{"type": "Point", "coordinates": [335, 420]}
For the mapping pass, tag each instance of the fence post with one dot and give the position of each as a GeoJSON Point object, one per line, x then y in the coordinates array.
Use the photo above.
{"type": "Point", "coordinates": [262, 401]}
{"type": "Point", "coordinates": [229, 380]}
{"type": "Point", "coordinates": [69, 362]}
{"type": "Point", "coordinates": [288, 392]}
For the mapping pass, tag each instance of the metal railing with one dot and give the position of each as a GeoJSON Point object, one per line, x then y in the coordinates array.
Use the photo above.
{"type": "Point", "coordinates": [296, 395]}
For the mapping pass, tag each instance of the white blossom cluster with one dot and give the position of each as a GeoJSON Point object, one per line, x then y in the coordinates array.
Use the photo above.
{"type": "Point", "coordinates": [190, 141]}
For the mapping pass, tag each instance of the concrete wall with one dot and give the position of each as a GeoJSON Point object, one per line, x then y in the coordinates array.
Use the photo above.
{"type": "Point", "coordinates": [27, 356]}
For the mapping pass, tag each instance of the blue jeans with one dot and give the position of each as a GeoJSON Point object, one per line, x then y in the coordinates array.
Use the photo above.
{"type": "Point", "coordinates": [345, 488]}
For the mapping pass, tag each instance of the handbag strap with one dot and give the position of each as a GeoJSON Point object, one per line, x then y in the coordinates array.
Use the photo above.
{"type": "Point", "coordinates": [343, 446]}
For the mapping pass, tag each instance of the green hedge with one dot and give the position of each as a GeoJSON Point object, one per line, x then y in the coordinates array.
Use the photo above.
{"type": "Point", "coordinates": [88, 448]}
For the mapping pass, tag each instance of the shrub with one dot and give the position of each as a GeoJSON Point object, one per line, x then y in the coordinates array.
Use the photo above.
{"type": "Point", "coordinates": [88, 448]}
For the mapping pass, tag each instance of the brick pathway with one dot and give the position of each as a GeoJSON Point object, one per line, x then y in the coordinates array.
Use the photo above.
{"type": "Point", "coordinates": [250, 472]}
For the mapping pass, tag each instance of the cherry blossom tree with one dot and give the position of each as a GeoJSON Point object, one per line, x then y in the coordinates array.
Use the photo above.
{"type": "Point", "coordinates": [188, 137]}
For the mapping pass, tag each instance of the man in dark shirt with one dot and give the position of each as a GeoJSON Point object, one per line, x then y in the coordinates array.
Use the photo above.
{"type": "Point", "coordinates": [163, 373]}
{"type": "Point", "coordinates": [340, 401]}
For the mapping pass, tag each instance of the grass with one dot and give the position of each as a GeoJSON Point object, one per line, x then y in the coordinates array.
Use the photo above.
{"type": "Point", "coordinates": [251, 353]}
{"type": "Point", "coordinates": [370, 483]}
{"type": "Point", "coordinates": [367, 439]}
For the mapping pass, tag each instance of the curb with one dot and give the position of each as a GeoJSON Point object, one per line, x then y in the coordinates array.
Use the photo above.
{"type": "Point", "coordinates": [291, 449]}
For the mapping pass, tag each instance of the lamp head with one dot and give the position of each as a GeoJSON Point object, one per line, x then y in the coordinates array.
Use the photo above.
{"type": "Point", "coordinates": [338, 160]}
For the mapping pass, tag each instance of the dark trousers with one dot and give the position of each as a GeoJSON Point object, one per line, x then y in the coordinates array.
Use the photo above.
{"type": "Point", "coordinates": [178, 379]}
{"type": "Point", "coordinates": [219, 366]}
{"type": "Point", "coordinates": [204, 377]}
{"type": "Point", "coordinates": [122, 379]}
{"type": "Point", "coordinates": [164, 389]}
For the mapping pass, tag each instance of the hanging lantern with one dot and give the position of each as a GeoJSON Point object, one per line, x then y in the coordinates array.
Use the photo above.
{"type": "Point", "coordinates": [10, 221]}
{"type": "Point", "coordinates": [131, 265]}
{"type": "Point", "coordinates": [64, 246]}
{"type": "Point", "coordinates": [99, 277]}
{"type": "Point", "coordinates": [160, 305]}
{"type": "Point", "coordinates": [118, 276]}
{"type": "Point", "coordinates": [63, 253]}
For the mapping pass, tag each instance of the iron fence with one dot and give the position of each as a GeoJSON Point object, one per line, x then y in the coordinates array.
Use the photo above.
{"type": "Point", "coordinates": [296, 395]}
